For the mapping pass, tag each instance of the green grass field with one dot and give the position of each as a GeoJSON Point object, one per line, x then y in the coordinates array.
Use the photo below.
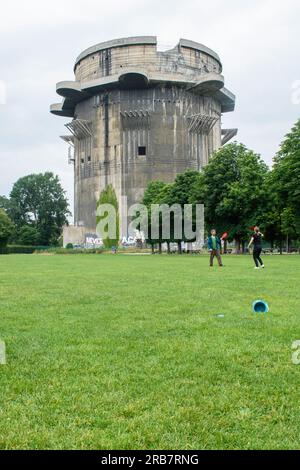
{"type": "Point", "coordinates": [127, 352]}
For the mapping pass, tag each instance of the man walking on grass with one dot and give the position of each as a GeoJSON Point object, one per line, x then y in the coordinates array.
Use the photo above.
{"type": "Point", "coordinates": [214, 246]}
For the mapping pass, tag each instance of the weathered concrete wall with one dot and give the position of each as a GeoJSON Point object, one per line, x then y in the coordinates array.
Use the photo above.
{"type": "Point", "coordinates": [76, 235]}
{"type": "Point", "coordinates": [181, 62]}
{"type": "Point", "coordinates": [160, 123]}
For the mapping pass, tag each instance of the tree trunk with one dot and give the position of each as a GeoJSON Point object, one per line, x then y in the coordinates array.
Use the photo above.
{"type": "Point", "coordinates": [225, 247]}
{"type": "Point", "coordinates": [152, 249]}
{"type": "Point", "coordinates": [169, 249]}
{"type": "Point", "coordinates": [179, 248]}
{"type": "Point", "coordinates": [280, 235]}
{"type": "Point", "coordinates": [237, 246]}
{"type": "Point", "coordinates": [160, 248]}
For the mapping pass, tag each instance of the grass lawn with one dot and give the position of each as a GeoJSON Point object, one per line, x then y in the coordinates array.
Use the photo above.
{"type": "Point", "coordinates": [127, 352]}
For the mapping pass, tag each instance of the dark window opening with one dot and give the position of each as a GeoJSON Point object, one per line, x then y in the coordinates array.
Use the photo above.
{"type": "Point", "coordinates": [141, 151]}
{"type": "Point", "coordinates": [89, 159]}
{"type": "Point", "coordinates": [82, 160]}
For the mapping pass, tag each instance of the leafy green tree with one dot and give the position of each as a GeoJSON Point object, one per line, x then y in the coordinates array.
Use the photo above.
{"type": "Point", "coordinates": [288, 226]}
{"type": "Point", "coordinates": [271, 225]}
{"type": "Point", "coordinates": [151, 194]}
{"type": "Point", "coordinates": [183, 186]}
{"type": "Point", "coordinates": [28, 235]}
{"type": "Point", "coordinates": [6, 228]}
{"type": "Point", "coordinates": [4, 203]}
{"type": "Point", "coordinates": [164, 197]}
{"type": "Point", "coordinates": [160, 193]}
{"type": "Point", "coordinates": [108, 196]}
{"type": "Point", "coordinates": [232, 190]}
{"type": "Point", "coordinates": [38, 200]}
{"type": "Point", "coordinates": [181, 192]}
{"type": "Point", "coordinates": [286, 177]}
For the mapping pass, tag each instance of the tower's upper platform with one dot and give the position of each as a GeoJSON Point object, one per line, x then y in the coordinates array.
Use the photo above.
{"type": "Point", "coordinates": [135, 62]}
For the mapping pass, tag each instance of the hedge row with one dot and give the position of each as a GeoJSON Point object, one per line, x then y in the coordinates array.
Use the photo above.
{"type": "Point", "coordinates": [77, 251]}
{"type": "Point", "coordinates": [20, 249]}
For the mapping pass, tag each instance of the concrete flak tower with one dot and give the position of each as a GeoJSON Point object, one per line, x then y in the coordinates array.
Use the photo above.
{"type": "Point", "coordinates": [140, 114]}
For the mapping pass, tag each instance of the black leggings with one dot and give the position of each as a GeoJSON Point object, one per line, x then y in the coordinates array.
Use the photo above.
{"type": "Point", "coordinates": [257, 258]}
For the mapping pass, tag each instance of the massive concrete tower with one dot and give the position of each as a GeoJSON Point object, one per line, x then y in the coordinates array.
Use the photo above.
{"type": "Point", "coordinates": [140, 114]}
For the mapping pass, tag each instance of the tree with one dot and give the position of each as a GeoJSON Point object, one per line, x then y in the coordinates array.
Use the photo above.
{"type": "Point", "coordinates": [38, 200]}
{"type": "Point", "coordinates": [286, 177]}
{"type": "Point", "coordinates": [6, 228]}
{"type": "Point", "coordinates": [108, 196]}
{"type": "Point", "coordinates": [151, 194]}
{"type": "Point", "coordinates": [272, 226]}
{"type": "Point", "coordinates": [232, 190]}
{"type": "Point", "coordinates": [164, 198]}
{"type": "Point", "coordinates": [28, 235]}
{"type": "Point", "coordinates": [288, 226]}
{"type": "Point", "coordinates": [162, 194]}
{"type": "Point", "coordinates": [183, 186]}
{"type": "Point", "coordinates": [4, 203]}
{"type": "Point", "coordinates": [180, 193]}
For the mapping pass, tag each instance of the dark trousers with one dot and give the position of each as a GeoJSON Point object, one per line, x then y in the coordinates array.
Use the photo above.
{"type": "Point", "coordinates": [256, 256]}
{"type": "Point", "coordinates": [216, 253]}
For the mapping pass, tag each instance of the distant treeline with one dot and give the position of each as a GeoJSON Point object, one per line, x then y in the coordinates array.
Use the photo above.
{"type": "Point", "coordinates": [239, 191]}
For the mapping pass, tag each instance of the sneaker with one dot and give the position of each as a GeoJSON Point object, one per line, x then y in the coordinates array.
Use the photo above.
{"type": "Point", "coordinates": [256, 267]}
{"type": "Point", "coordinates": [263, 266]}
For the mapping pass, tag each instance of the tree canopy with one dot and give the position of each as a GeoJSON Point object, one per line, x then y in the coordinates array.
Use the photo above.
{"type": "Point", "coordinates": [285, 179]}
{"type": "Point", "coordinates": [232, 190]}
{"type": "Point", "coordinates": [6, 228]}
{"type": "Point", "coordinates": [38, 201]}
{"type": "Point", "coordinates": [105, 220]}
{"type": "Point", "coordinates": [240, 191]}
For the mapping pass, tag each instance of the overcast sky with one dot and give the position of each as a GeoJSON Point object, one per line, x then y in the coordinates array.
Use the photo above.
{"type": "Point", "coordinates": [257, 40]}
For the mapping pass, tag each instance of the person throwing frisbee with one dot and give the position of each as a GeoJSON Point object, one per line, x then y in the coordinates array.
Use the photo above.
{"type": "Point", "coordinates": [256, 241]}
{"type": "Point", "coordinates": [214, 245]}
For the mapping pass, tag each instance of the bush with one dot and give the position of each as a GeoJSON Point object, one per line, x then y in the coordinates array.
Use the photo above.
{"type": "Point", "coordinates": [28, 235]}
{"type": "Point", "coordinates": [70, 251]}
{"type": "Point", "coordinates": [69, 246]}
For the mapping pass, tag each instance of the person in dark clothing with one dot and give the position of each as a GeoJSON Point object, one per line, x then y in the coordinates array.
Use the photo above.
{"type": "Point", "coordinates": [214, 245]}
{"type": "Point", "coordinates": [256, 241]}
